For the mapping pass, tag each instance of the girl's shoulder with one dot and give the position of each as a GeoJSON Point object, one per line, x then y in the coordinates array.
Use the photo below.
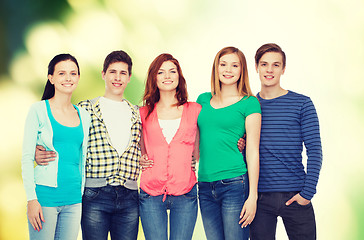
{"type": "Point", "coordinates": [38, 106]}
{"type": "Point", "coordinates": [204, 97]}
{"type": "Point", "coordinates": [193, 107]}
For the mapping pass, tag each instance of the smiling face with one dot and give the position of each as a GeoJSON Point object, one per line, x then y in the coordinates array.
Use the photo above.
{"type": "Point", "coordinates": [65, 77]}
{"type": "Point", "coordinates": [229, 69]}
{"type": "Point", "coordinates": [116, 79]}
{"type": "Point", "coordinates": [270, 69]}
{"type": "Point", "coordinates": [167, 77]}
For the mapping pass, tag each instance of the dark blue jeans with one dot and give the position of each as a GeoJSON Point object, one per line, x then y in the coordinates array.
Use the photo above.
{"type": "Point", "coordinates": [221, 203]}
{"type": "Point", "coordinates": [113, 209]}
{"type": "Point", "coordinates": [182, 216]}
{"type": "Point", "coordinates": [298, 220]}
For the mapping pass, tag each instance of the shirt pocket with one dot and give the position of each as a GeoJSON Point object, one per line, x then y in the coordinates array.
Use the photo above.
{"type": "Point", "coordinates": [189, 136]}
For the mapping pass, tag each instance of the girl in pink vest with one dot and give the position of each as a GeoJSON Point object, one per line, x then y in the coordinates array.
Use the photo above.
{"type": "Point", "coordinates": [169, 141]}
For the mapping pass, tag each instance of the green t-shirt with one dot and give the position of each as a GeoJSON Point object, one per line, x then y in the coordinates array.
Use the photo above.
{"type": "Point", "coordinates": [220, 130]}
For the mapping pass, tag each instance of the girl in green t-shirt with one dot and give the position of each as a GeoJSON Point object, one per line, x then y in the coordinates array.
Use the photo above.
{"type": "Point", "coordinates": [227, 195]}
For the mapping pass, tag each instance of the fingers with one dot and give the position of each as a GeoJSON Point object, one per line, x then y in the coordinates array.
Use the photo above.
{"type": "Point", "coordinates": [41, 216]}
{"type": "Point", "coordinates": [290, 201]}
{"type": "Point", "coordinates": [38, 223]}
{"type": "Point", "coordinates": [35, 214]}
{"type": "Point", "coordinates": [43, 157]}
{"type": "Point", "coordinates": [40, 148]}
{"type": "Point", "coordinates": [246, 219]}
{"type": "Point", "coordinates": [299, 199]}
{"type": "Point", "coordinates": [145, 162]}
{"type": "Point", "coordinates": [193, 163]}
{"type": "Point", "coordinates": [241, 144]}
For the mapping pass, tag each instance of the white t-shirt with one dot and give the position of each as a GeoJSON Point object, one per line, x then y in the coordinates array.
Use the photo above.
{"type": "Point", "coordinates": [169, 128]}
{"type": "Point", "coordinates": [117, 118]}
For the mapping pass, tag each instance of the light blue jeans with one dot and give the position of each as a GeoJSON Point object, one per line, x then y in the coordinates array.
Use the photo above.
{"type": "Point", "coordinates": [61, 223]}
{"type": "Point", "coordinates": [182, 215]}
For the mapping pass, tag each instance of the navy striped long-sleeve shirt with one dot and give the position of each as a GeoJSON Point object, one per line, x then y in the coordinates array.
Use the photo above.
{"type": "Point", "coordinates": [289, 121]}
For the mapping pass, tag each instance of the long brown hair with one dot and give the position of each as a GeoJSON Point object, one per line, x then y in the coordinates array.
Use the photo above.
{"type": "Point", "coordinates": [151, 92]}
{"type": "Point", "coordinates": [243, 82]}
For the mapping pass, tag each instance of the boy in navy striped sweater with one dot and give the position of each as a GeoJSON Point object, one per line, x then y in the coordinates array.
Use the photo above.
{"type": "Point", "coordinates": [289, 119]}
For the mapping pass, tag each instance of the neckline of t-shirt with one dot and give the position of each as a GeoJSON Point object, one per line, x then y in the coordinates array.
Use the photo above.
{"type": "Point", "coordinates": [50, 115]}
{"type": "Point", "coordinates": [272, 99]}
{"type": "Point", "coordinates": [243, 98]}
{"type": "Point", "coordinates": [111, 101]}
{"type": "Point", "coordinates": [176, 119]}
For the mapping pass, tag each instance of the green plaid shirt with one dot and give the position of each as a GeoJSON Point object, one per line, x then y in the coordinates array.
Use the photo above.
{"type": "Point", "coordinates": [103, 160]}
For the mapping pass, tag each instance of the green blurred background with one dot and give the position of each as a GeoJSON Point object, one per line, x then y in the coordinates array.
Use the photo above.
{"type": "Point", "coordinates": [323, 41]}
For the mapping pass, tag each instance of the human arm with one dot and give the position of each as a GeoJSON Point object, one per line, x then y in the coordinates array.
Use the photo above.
{"type": "Point", "coordinates": [28, 152]}
{"type": "Point", "coordinates": [196, 151]}
{"type": "Point", "coordinates": [253, 124]}
{"type": "Point", "coordinates": [144, 161]}
{"type": "Point", "coordinates": [310, 131]}
{"type": "Point", "coordinates": [34, 211]}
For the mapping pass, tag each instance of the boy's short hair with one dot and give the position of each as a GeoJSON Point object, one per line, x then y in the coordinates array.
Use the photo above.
{"type": "Point", "coordinates": [117, 56]}
{"type": "Point", "coordinates": [269, 47]}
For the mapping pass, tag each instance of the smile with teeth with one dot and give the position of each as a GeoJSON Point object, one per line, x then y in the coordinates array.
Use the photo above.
{"type": "Point", "coordinates": [228, 76]}
{"type": "Point", "coordinates": [269, 77]}
{"type": "Point", "coordinates": [117, 84]}
{"type": "Point", "coordinates": [168, 82]}
{"type": "Point", "coordinates": [67, 84]}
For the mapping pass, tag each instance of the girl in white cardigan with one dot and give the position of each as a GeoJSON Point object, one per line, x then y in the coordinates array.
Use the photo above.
{"type": "Point", "coordinates": [54, 192]}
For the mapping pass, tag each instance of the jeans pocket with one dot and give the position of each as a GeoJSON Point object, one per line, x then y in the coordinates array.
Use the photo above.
{"type": "Point", "coordinates": [234, 180]}
{"type": "Point", "coordinates": [296, 204]}
{"type": "Point", "coordinates": [191, 194]}
{"type": "Point", "coordinates": [91, 193]}
{"type": "Point", "coordinates": [134, 195]}
{"type": "Point", "coordinates": [260, 197]}
{"type": "Point", "coordinates": [143, 195]}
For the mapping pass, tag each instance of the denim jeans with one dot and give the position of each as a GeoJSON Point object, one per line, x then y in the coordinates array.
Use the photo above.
{"type": "Point", "coordinates": [298, 220]}
{"type": "Point", "coordinates": [221, 203]}
{"type": "Point", "coordinates": [61, 223]}
{"type": "Point", "coordinates": [113, 209]}
{"type": "Point", "coordinates": [182, 216]}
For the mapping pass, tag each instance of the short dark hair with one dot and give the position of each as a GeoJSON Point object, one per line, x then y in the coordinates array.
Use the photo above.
{"type": "Point", "coordinates": [269, 47]}
{"type": "Point", "coordinates": [117, 56]}
{"type": "Point", "coordinates": [49, 87]}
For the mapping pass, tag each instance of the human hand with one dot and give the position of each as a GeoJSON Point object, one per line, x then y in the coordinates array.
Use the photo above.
{"type": "Point", "coordinates": [241, 143]}
{"type": "Point", "coordinates": [248, 212]}
{"type": "Point", "coordinates": [43, 157]}
{"type": "Point", "coordinates": [297, 198]}
{"type": "Point", "coordinates": [35, 214]}
{"type": "Point", "coordinates": [145, 162]}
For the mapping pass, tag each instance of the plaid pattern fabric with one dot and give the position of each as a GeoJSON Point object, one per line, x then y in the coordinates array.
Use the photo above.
{"type": "Point", "coordinates": [103, 160]}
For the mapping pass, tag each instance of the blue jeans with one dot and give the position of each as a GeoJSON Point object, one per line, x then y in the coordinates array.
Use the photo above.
{"type": "Point", "coordinates": [182, 218]}
{"type": "Point", "coordinates": [113, 209]}
{"type": "Point", "coordinates": [221, 203]}
{"type": "Point", "coordinates": [298, 220]}
{"type": "Point", "coordinates": [61, 223]}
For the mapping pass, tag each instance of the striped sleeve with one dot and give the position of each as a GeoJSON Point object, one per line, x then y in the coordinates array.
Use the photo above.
{"type": "Point", "coordinates": [311, 138]}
